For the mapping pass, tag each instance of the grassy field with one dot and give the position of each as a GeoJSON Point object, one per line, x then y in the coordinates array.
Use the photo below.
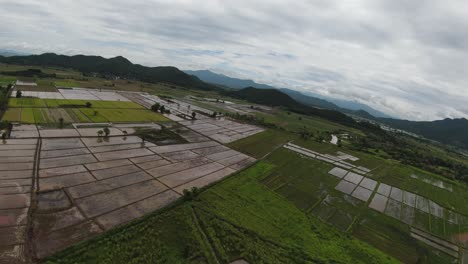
{"type": "Point", "coordinates": [238, 218]}
{"type": "Point", "coordinates": [295, 122]}
{"type": "Point", "coordinates": [65, 103]}
{"type": "Point", "coordinates": [262, 143]}
{"type": "Point", "coordinates": [66, 83]}
{"type": "Point", "coordinates": [40, 111]}
{"type": "Point", "coordinates": [52, 115]}
{"type": "Point", "coordinates": [5, 80]}
{"type": "Point", "coordinates": [306, 183]}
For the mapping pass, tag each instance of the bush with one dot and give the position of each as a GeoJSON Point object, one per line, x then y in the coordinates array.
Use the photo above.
{"type": "Point", "coordinates": [106, 131]}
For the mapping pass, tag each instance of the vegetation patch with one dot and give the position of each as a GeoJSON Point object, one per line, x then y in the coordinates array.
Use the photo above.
{"type": "Point", "coordinates": [162, 136]}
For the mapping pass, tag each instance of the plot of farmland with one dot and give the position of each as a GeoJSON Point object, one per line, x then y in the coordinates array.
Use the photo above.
{"type": "Point", "coordinates": [360, 196]}
{"type": "Point", "coordinates": [222, 130]}
{"type": "Point", "coordinates": [43, 111]}
{"type": "Point", "coordinates": [111, 181]}
{"type": "Point", "coordinates": [16, 163]}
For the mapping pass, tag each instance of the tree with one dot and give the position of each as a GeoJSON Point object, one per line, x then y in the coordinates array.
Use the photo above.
{"type": "Point", "coordinates": [100, 132]}
{"type": "Point", "coordinates": [155, 107]}
{"type": "Point", "coordinates": [19, 94]}
{"type": "Point", "coordinates": [162, 109]}
{"type": "Point", "coordinates": [95, 113]}
{"type": "Point", "coordinates": [106, 131]}
{"type": "Point", "coordinates": [194, 115]}
{"type": "Point", "coordinates": [88, 105]}
{"type": "Point", "coordinates": [61, 122]}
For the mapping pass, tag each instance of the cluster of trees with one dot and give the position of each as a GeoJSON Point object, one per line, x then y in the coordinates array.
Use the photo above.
{"type": "Point", "coordinates": [160, 108]}
{"type": "Point", "coordinates": [105, 131]}
{"type": "Point", "coordinates": [410, 152]}
{"type": "Point", "coordinates": [4, 91]}
{"type": "Point", "coordinates": [4, 125]}
{"type": "Point", "coordinates": [319, 136]}
{"type": "Point", "coordinates": [259, 121]}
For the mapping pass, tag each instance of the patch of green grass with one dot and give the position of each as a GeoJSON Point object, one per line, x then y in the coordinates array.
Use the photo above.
{"type": "Point", "coordinates": [5, 80]}
{"type": "Point", "coordinates": [94, 115]}
{"type": "Point", "coordinates": [305, 182]}
{"type": "Point", "coordinates": [94, 104]}
{"type": "Point", "coordinates": [393, 237]}
{"type": "Point", "coordinates": [27, 116]}
{"type": "Point", "coordinates": [81, 117]}
{"type": "Point", "coordinates": [38, 117]}
{"type": "Point", "coordinates": [25, 102]}
{"type": "Point", "coordinates": [295, 122]}
{"type": "Point", "coordinates": [262, 143]}
{"type": "Point", "coordinates": [66, 83]}
{"type": "Point", "coordinates": [12, 114]}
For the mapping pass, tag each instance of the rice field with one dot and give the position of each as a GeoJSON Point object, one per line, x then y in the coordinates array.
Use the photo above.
{"type": "Point", "coordinates": [66, 83]}
{"type": "Point", "coordinates": [57, 103]}
{"type": "Point", "coordinates": [307, 184]}
{"type": "Point", "coordinates": [80, 115]}
{"type": "Point", "coordinates": [42, 111]}
{"type": "Point", "coordinates": [4, 80]}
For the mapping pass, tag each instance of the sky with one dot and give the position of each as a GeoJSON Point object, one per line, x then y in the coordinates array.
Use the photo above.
{"type": "Point", "coordinates": [406, 58]}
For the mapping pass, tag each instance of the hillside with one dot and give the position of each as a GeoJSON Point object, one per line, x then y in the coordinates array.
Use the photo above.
{"type": "Point", "coordinates": [273, 97]}
{"type": "Point", "coordinates": [448, 131]}
{"type": "Point", "coordinates": [117, 66]}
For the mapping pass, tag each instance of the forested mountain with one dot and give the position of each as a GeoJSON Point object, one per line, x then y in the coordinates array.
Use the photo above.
{"type": "Point", "coordinates": [223, 80]}
{"type": "Point", "coordinates": [448, 131]}
{"type": "Point", "coordinates": [273, 97]}
{"type": "Point", "coordinates": [117, 66]}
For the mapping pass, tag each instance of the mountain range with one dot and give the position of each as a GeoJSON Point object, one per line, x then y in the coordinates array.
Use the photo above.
{"type": "Point", "coordinates": [304, 97]}
{"type": "Point", "coordinates": [448, 131]}
{"type": "Point", "coordinates": [117, 66]}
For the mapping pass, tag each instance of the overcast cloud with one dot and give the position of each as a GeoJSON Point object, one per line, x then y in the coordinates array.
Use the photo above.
{"type": "Point", "coordinates": [406, 58]}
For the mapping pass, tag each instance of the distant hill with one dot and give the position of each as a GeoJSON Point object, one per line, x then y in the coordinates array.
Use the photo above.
{"type": "Point", "coordinates": [303, 97]}
{"type": "Point", "coordinates": [117, 66]}
{"type": "Point", "coordinates": [7, 53]}
{"type": "Point", "coordinates": [448, 131]}
{"type": "Point", "coordinates": [220, 79]}
{"type": "Point", "coordinates": [274, 97]}
{"type": "Point", "coordinates": [308, 100]}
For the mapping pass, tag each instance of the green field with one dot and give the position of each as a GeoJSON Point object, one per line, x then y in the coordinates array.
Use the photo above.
{"type": "Point", "coordinates": [306, 183]}
{"type": "Point", "coordinates": [5, 80]}
{"type": "Point", "coordinates": [66, 83]}
{"type": "Point", "coordinates": [52, 115]}
{"type": "Point", "coordinates": [50, 103]}
{"type": "Point", "coordinates": [262, 143]}
{"type": "Point", "coordinates": [41, 111]}
{"type": "Point", "coordinates": [236, 218]}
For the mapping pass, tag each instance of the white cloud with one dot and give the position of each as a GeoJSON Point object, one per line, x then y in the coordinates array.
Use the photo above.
{"type": "Point", "coordinates": [407, 58]}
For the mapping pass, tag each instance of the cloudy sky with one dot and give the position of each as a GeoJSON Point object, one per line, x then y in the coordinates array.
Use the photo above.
{"type": "Point", "coordinates": [406, 58]}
